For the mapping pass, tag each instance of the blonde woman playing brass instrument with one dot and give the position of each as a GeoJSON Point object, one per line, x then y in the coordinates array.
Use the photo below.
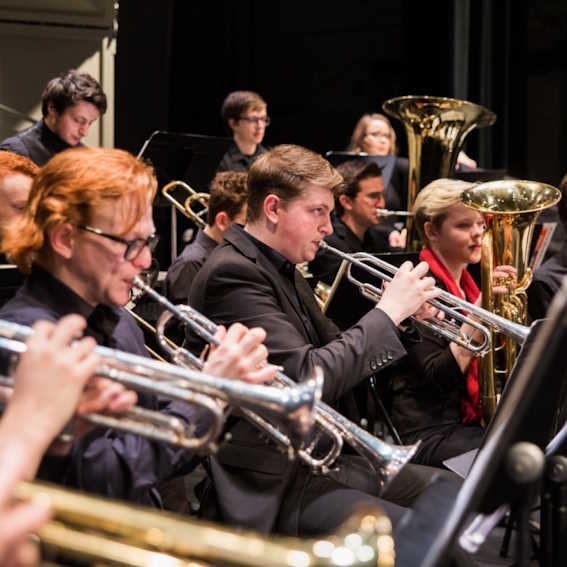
{"type": "Point", "coordinates": [435, 395]}
{"type": "Point", "coordinates": [86, 233]}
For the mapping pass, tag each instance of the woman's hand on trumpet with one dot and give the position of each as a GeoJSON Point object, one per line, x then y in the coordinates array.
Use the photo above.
{"type": "Point", "coordinates": [241, 355]}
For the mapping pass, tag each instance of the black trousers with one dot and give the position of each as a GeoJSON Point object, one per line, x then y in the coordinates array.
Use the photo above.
{"type": "Point", "coordinates": [319, 504]}
{"type": "Point", "coordinates": [447, 442]}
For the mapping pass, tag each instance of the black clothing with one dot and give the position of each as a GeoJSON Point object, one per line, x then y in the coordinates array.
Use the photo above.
{"type": "Point", "coordinates": [235, 160]}
{"type": "Point", "coordinates": [37, 143]}
{"type": "Point", "coordinates": [325, 265]}
{"type": "Point", "coordinates": [396, 193]}
{"type": "Point", "coordinates": [546, 283]}
{"type": "Point", "coordinates": [255, 486]}
{"type": "Point", "coordinates": [181, 273]}
{"type": "Point", "coordinates": [424, 398]}
{"type": "Point", "coordinates": [348, 307]}
{"type": "Point", "coordinates": [105, 461]}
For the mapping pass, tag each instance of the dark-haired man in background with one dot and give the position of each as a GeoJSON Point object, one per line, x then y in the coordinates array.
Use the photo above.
{"type": "Point", "coordinates": [70, 103]}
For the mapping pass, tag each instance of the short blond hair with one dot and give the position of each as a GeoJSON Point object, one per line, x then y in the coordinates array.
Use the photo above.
{"type": "Point", "coordinates": [433, 202]}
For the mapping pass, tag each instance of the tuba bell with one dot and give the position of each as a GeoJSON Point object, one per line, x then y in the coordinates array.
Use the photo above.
{"type": "Point", "coordinates": [510, 210]}
{"type": "Point", "coordinates": [436, 129]}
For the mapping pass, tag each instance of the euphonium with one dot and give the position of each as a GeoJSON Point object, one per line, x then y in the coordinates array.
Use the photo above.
{"type": "Point", "coordinates": [100, 531]}
{"type": "Point", "coordinates": [510, 209]}
{"type": "Point", "coordinates": [436, 129]}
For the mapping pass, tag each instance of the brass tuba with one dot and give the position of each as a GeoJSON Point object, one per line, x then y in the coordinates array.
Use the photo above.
{"type": "Point", "coordinates": [96, 531]}
{"type": "Point", "coordinates": [436, 129]}
{"type": "Point", "coordinates": [510, 210]}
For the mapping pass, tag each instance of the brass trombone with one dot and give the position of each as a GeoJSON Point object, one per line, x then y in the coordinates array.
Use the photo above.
{"type": "Point", "coordinates": [294, 407]}
{"type": "Point", "coordinates": [101, 531]}
{"type": "Point", "coordinates": [447, 302]}
{"type": "Point", "coordinates": [198, 217]}
{"type": "Point", "coordinates": [387, 460]}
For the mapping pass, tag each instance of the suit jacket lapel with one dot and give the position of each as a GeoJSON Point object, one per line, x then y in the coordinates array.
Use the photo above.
{"type": "Point", "coordinates": [246, 247]}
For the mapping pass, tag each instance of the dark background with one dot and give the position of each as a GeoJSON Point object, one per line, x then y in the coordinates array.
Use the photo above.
{"type": "Point", "coordinates": [320, 66]}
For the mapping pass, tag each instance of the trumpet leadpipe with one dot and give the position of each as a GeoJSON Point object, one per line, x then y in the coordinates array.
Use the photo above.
{"type": "Point", "coordinates": [388, 213]}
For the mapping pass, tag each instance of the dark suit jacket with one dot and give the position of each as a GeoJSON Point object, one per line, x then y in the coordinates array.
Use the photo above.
{"type": "Point", "coordinates": [546, 283]}
{"type": "Point", "coordinates": [37, 143]}
{"type": "Point", "coordinates": [240, 283]}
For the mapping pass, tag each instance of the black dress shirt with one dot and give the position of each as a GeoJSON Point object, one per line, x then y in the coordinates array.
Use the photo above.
{"type": "Point", "coordinates": [37, 143]}
{"type": "Point", "coordinates": [181, 273]}
{"type": "Point", "coordinates": [107, 462]}
{"type": "Point", "coordinates": [235, 160]}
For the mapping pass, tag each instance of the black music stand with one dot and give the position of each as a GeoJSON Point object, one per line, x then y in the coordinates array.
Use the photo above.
{"type": "Point", "coordinates": [191, 158]}
{"type": "Point", "coordinates": [528, 411]}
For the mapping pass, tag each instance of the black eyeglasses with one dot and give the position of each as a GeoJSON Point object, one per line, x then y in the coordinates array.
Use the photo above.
{"type": "Point", "coordinates": [256, 119]}
{"type": "Point", "coordinates": [134, 247]}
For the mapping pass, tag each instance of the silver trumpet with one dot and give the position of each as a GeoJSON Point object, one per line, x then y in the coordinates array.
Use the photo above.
{"type": "Point", "coordinates": [387, 460]}
{"type": "Point", "coordinates": [388, 213]}
{"type": "Point", "coordinates": [293, 407]}
{"type": "Point", "coordinates": [450, 304]}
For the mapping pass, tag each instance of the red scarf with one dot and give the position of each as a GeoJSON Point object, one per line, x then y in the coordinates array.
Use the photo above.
{"type": "Point", "coordinates": [470, 408]}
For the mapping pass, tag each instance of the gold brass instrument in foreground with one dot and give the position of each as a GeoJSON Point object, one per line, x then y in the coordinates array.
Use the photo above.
{"type": "Point", "coordinates": [294, 407]}
{"type": "Point", "coordinates": [436, 128]}
{"type": "Point", "coordinates": [387, 460]}
{"type": "Point", "coordinates": [100, 531]}
{"type": "Point", "coordinates": [510, 209]}
{"type": "Point", "coordinates": [446, 302]}
{"type": "Point", "coordinates": [199, 217]}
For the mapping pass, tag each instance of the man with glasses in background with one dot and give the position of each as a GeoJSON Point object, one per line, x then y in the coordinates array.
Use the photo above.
{"type": "Point", "coordinates": [245, 116]}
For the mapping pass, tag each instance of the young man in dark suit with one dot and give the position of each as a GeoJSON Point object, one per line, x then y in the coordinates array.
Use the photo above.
{"type": "Point", "coordinates": [70, 104]}
{"type": "Point", "coordinates": [251, 277]}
